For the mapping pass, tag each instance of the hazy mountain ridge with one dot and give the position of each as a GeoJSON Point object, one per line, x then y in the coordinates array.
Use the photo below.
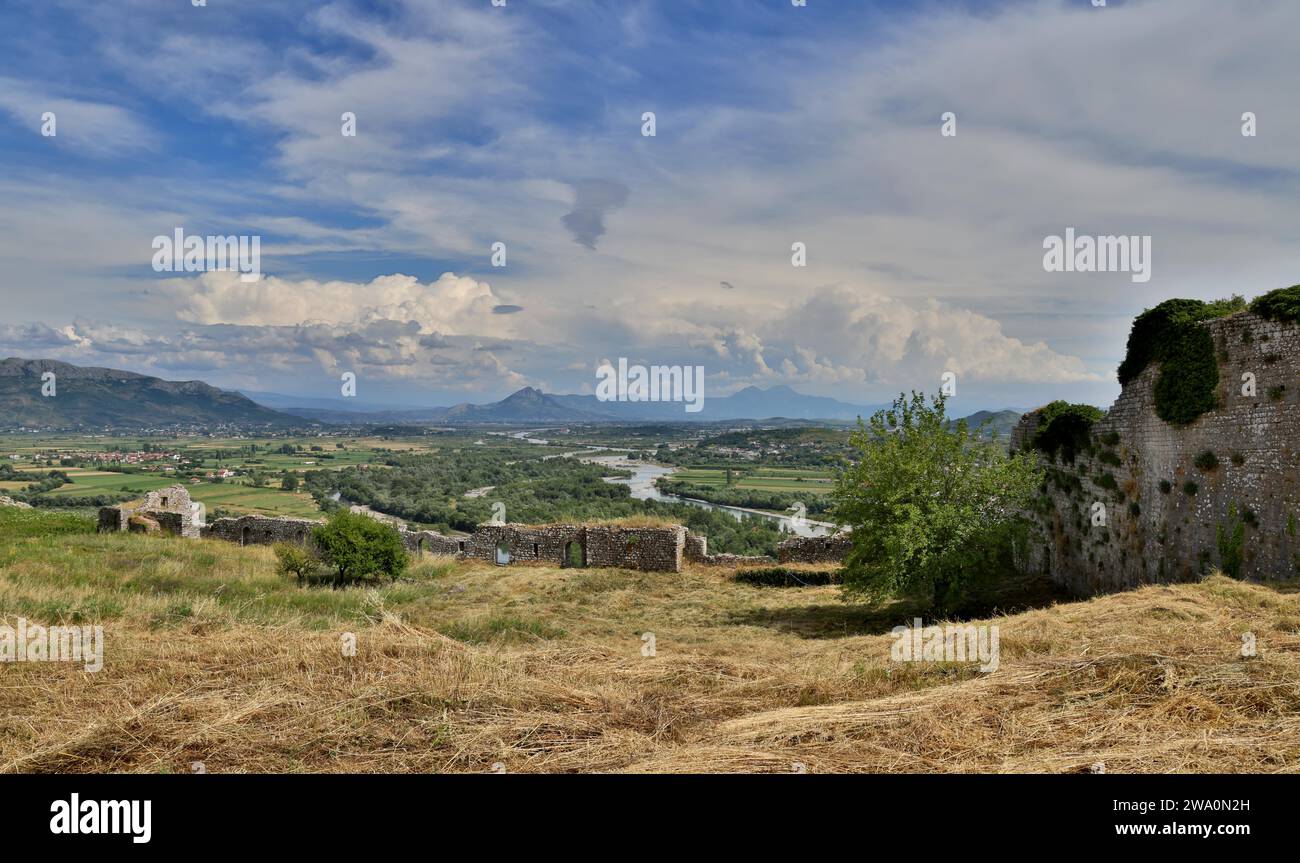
{"type": "Point", "coordinates": [94, 397]}
{"type": "Point", "coordinates": [530, 405]}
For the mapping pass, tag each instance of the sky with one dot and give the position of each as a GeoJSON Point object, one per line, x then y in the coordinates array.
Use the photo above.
{"type": "Point", "coordinates": [523, 125]}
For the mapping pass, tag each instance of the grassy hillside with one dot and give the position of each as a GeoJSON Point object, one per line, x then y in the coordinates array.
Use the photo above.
{"type": "Point", "coordinates": [211, 657]}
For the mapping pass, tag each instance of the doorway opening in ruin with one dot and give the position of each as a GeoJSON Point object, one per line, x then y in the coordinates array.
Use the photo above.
{"type": "Point", "coordinates": [419, 546]}
{"type": "Point", "coordinates": [575, 554]}
{"type": "Point", "coordinates": [245, 534]}
{"type": "Point", "coordinates": [503, 554]}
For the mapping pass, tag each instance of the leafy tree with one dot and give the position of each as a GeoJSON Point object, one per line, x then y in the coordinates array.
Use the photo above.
{"type": "Point", "coordinates": [934, 509]}
{"type": "Point", "coordinates": [294, 560]}
{"type": "Point", "coordinates": [289, 482]}
{"type": "Point", "coordinates": [358, 546]}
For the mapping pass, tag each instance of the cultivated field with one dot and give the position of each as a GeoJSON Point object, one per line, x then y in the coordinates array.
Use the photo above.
{"type": "Point", "coordinates": [807, 481]}
{"type": "Point", "coordinates": [468, 667]}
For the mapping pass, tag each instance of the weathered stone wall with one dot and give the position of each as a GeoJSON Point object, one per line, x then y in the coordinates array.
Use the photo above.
{"type": "Point", "coordinates": [16, 504]}
{"type": "Point", "coordinates": [260, 530]}
{"type": "Point", "coordinates": [649, 549]}
{"type": "Point", "coordinates": [653, 549]}
{"type": "Point", "coordinates": [525, 543]}
{"type": "Point", "coordinates": [1154, 530]}
{"type": "Point", "coordinates": [697, 547]}
{"type": "Point", "coordinates": [814, 549]}
{"type": "Point", "coordinates": [419, 542]}
{"type": "Point", "coordinates": [169, 506]}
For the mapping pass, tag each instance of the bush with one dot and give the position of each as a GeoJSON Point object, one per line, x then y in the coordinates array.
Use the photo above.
{"type": "Point", "coordinates": [1166, 486]}
{"type": "Point", "coordinates": [359, 547]}
{"type": "Point", "coordinates": [932, 507]}
{"type": "Point", "coordinates": [294, 560]}
{"type": "Point", "coordinates": [1190, 487]}
{"type": "Point", "coordinates": [1280, 305]}
{"type": "Point", "coordinates": [1064, 429]}
{"type": "Point", "coordinates": [1207, 461]}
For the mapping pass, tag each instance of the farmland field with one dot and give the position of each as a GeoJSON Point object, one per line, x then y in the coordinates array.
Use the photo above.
{"type": "Point", "coordinates": [765, 479]}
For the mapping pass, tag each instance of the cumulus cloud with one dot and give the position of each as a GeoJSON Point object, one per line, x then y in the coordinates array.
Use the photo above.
{"type": "Point", "coordinates": [450, 304]}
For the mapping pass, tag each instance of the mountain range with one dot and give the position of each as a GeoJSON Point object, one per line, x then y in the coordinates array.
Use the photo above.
{"type": "Point", "coordinates": [530, 405]}
{"type": "Point", "coordinates": [95, 398]}
{"type": "Point", "coordinates": [98, 398]}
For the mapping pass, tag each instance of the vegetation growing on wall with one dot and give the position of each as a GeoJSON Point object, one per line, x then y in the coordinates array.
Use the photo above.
{"type": "Point", "coordinates": [1065, 429]}
{"type": "Point", "coordinates": [1170, 334]}
{"type": "Point", "coordinates": [1280, 305]}
{"type": "Point", "coordinates": [1231, 539]}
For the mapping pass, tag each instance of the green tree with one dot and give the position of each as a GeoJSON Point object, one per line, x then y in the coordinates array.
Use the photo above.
{"type": "Point", "coordinates": [289, 482]}
{"type": "Point", "coordinates": [934, 509]}
{"type": "Point", "coordinates": [358, 547]}
{"type": "Point", "coordinates": [294, 560]}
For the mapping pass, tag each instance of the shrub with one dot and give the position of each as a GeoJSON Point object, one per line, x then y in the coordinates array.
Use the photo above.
{"type": "Point", "coordinates": [1166, 486]}
{"type": "Point", "coordinates": [1134, 509]}
{"type": "Point", "coordinates": [1231, 538]}
{"type": "Point", "coordinates": [780, 576]}
{"type": "Point", "coordinates": [1238, 459]}
{"type": "Point", "coordinates": [1207, 461]}
{"type": "Point", "coordinates": [1275, 392]}
{"type": "Point", "coordinates": [932, 507]}
{"type": "Point", "coordinates": [1171, 334]}
{"type": "Point", "coordinates": [1109, 457]}
{"type": "Point", "coordinates": [359, 547]}
{"type": "Point", "coordinates": [1280, 305]}
{"type": "Point", "coordinates": [1106, 481]}
{"type": "Point", "coordinates": [1190, 487]}
{"type": "Point", "coordinates": [294, 560]}
{"type": "Point", "coordinates": [1064, 429]}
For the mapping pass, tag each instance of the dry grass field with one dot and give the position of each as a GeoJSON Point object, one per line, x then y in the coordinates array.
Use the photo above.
{"type": "Point", "coordinates": [467, 667]}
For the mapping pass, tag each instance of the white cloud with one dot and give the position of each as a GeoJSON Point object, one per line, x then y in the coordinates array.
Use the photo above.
{"type": "Point", "coordinates": [452, 304]}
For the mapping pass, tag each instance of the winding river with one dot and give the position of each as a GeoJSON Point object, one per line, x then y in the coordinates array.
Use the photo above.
{"type": "Point", "coordinates": [644, 475]}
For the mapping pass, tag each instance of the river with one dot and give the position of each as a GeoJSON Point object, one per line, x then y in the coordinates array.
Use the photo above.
{"type": "Point", "coordinates": [645, 474]}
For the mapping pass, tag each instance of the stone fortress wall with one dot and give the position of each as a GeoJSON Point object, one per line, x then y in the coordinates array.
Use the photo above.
{"type": "Point", "coordinates": [648, 549]}
{"type": "Point", "coordinates": [1158, 527]}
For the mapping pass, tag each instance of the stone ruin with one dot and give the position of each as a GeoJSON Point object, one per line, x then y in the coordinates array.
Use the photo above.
{"type": "Point", "coordinates": [16, 504]}
{"type": "Point", "coordinates": [1172, 513]}
{"type": "Point", "coordinates": [814, 549]}
{"type": "Point", "coordinates": [647, 549]}
{"type": "Point", "coordinates": [167, 510]}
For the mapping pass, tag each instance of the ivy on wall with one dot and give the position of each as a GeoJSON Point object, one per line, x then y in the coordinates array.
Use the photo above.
{"type": "Point", "coordinates": [1171, 334]}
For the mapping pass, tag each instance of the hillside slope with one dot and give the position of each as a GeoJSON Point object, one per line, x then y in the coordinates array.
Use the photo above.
{"type": "Point", "coordinates": [87, 397]}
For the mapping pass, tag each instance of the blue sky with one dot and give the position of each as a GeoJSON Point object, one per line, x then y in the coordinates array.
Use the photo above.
{"type": "Point", "coordinates": [775, 124]}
